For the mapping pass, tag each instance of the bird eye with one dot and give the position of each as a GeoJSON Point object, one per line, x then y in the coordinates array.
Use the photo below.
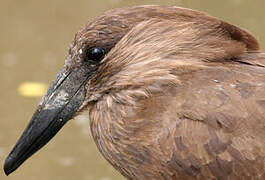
{"type": "Point", "coordinates": [95, 54]}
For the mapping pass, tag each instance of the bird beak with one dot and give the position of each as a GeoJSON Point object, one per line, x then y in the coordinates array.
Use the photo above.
{"type": "Point", "coordinates": [63, 99]}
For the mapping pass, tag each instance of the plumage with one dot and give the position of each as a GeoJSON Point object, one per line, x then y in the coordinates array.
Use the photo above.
{"type": "Point", "coordinates": [179, 95]}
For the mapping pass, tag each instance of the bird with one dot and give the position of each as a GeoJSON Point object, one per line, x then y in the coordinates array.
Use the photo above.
{"type": "Point", "coordinates": [172, 93]}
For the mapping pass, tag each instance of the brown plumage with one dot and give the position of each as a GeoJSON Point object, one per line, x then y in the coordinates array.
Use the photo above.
{"type": "Point", "coordinates": [179, 95]}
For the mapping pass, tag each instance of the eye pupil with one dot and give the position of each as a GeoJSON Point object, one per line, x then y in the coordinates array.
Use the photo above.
{"type": "Point", "coordinates": [95, 54]}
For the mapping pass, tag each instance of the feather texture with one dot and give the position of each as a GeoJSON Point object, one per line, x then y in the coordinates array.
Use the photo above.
{"type": "Point", "coordinates": [180, 95]}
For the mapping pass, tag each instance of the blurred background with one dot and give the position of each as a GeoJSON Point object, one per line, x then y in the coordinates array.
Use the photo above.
{"type": "Point", "coordinates": [34, 38]}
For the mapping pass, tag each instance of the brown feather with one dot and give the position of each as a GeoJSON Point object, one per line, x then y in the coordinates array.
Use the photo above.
{"type": "Point", "coordinates": [180, 95]}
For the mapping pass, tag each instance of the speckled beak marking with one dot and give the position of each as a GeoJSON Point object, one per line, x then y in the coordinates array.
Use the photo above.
{"type": "Point", "coordinates": [63, 99]}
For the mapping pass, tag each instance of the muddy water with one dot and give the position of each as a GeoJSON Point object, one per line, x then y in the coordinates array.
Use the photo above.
{"type": "Point", "coordinates": [34, 37]}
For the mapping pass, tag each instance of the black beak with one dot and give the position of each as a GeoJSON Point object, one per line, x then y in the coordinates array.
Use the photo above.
{"type": "Point", "coordinates": [63, 99]}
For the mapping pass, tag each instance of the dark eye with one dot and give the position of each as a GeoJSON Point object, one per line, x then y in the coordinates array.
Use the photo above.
{"type": "Point", "coordinates": [95, 54]}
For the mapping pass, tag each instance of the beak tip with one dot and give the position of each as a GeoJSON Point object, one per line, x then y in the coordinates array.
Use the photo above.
{"type": "Point", "coordinates": [8, 166]}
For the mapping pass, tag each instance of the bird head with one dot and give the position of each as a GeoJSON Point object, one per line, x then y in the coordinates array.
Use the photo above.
{"type": "Point", "coordinates": [133, 51]}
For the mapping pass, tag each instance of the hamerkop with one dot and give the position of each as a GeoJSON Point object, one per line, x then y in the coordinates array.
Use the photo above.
{"type": "Point", "coordinates": [172, 93]}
